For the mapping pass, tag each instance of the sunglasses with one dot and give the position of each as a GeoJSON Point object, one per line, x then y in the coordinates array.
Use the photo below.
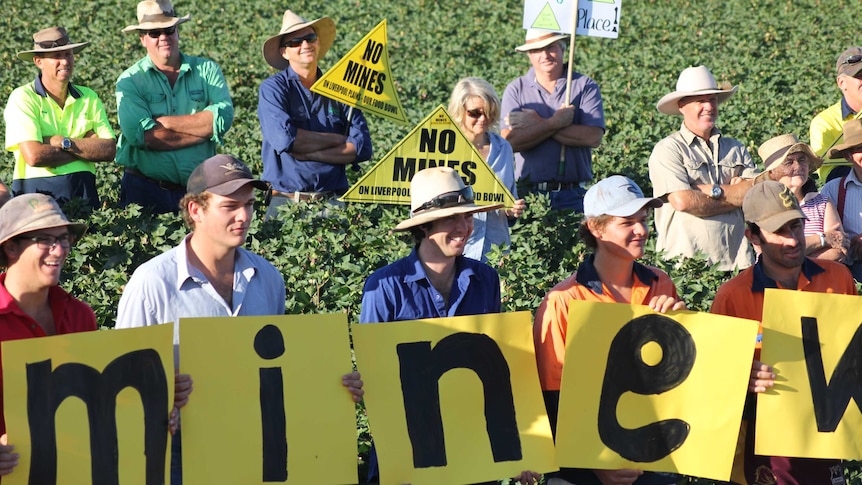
{"type": "Point", "coordinates": [53, 43]}
{"type": "Point", "coordinates": [449, 199]}
{"type": "Point", "coordinates": [155, 34]}
{"type": "Point", "coordinates": [855, 59]}
{"type": "Point", "coordinates": [476, 113]}
{"type": "Point", "coordinates": [297, 41]}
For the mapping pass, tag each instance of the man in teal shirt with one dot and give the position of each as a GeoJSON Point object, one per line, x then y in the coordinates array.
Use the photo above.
{"type": "Point", "coordinates": [173, 110]}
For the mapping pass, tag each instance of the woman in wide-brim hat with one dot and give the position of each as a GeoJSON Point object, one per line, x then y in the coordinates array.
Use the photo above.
{"type": "Point", "coordinates": [791, 162]}
{"type": "Point", "coordinates": [324, 27]}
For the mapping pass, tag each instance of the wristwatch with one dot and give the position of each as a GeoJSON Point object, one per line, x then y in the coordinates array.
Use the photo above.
{"type": "Point", "coordinates": [66, 144]}
{"type": "Point", "coordinates": [716, 191]}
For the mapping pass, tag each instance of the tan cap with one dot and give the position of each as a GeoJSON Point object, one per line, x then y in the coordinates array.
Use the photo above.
{"type": "Point", "coordinates": [770, 205]}
{"type": "Point", "coordinates": [32, 212]}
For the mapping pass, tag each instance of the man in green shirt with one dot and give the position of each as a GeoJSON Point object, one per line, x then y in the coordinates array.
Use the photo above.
{"type": "Point", "coordinates": [173, 110]}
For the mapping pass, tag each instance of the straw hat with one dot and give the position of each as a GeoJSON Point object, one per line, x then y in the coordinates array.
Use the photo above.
{"type": "Point", "coordinates": [32, 212]}
{"type": "Point", "coordinates": [429, 187]}
{"type": "Point", "coordinates": [156, 14]}
{"type": "Point", "coordinates": [55, 38]}
{"type": "Point", "coordinates": [852, 133]}
{"type": "Point", "coordinates": [536, 39]}
{"type": "Point", "coordinates": [324, 27]}
{"type": "Point", "coordinates": [693, 81]}
{"type": "Point", "coordinates": [616, 196]}
{"type": "Point", "coordinates": [774, 151]}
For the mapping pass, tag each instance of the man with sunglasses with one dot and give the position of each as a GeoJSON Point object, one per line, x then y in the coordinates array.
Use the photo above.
{"type": "Point", "coordinates": [173, 111]}
{"type": "Point", "coordinates": [553, 137]}
{"type": "Point", "coordinates": [35, 240]}
{"type": "Point", "coordinates": [308, 139]}
{"type": "Point", "coordinates": [825, 129]}
{"type": "Point", "coordinates": [55, 129]}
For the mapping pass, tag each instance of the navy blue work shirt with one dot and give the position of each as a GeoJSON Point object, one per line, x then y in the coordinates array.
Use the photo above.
{"type": "Point", "coordinates": [285, 105]}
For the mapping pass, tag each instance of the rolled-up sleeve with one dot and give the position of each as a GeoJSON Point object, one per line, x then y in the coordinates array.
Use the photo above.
{"type": "Point", "coordinates": [360, 137]}
{"type": "Point", "coordinates": [133, 110]}
{"type": "Point", "coordinates": [276, 125]}
{"type": "Point", "coordinates": [220, 103]}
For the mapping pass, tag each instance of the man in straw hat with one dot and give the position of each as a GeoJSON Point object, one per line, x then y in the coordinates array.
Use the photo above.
{"type": "Point", "coordinates": [825, 130]}
{"type": "Point", "coordinates": [699, 173]}
{"type": "Point", "coordinates": [209, 274]}
{"type": "Point", "coordinates": [435, 280]}
{"type": "Point", "coordinates": [308, 139]}
{"type": "Point", "coordinates": [846, 192]}
{"type": "Point", "coordinates": [553, 136]}
{"type": "Point", "coordinates": [35, 240]}
{"type": "Point", "coordinates": [56, 129]}
{"type": "Point", "coordinates": [165, 136]}
{"type": "Point", "coordinates": [774, 224]}
{"type": "Point", "coordinates": [787, 160]}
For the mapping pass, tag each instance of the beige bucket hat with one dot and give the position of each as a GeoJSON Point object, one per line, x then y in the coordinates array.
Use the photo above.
{"type": "Point", "coordinates": [156, 14]}
{"type": "Point", "coordinates": [52, 39]}
{"type": "Point", "coordinates": [775, 150]}
{"type": "Point", "coordinates": [291, 22]}
{"type": "Point", "coordinates": [536, 39]}
{"type": "Point", "coordinates": [693, 81]}
{"type": "Point", "coordinates": [437, 193]}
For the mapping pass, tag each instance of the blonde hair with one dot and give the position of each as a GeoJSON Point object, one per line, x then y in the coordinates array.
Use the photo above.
{"type": "Point", "coordinates": [474, 87]}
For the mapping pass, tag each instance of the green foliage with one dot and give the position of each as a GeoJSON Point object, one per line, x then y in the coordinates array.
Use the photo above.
{"type": "Point", "coordinates": [783, 66]}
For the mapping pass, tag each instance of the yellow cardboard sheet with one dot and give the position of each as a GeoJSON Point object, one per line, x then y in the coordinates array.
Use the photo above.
{"type": "Point", "coordinates": [76, 365]}
{"type": "Point", "coordinates": [435, 141]}
{"type": "Point", "coordinates": [787, 422]}
{"type": "Point", "coordinates": [700, 363]}
{"type": "Point", "coordinates": [465, 443]}
{"type": "Point", "coordinates": [363, 79]}
{"type": "Point", "coordinates": [224, 420]}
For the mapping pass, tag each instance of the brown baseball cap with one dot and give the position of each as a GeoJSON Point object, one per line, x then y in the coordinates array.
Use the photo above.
{"type": "Point", "coordinates": [222, 175]}
{"type": "Point", "coordinates": [770, 205]}
{"type": "Point", "coordinates": [849, 62]}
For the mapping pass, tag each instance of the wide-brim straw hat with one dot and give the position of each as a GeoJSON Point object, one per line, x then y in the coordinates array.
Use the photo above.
{"type": "Point", "coordinates": [431, 183]}
{"type": "Point", "coordinates": [774, 151]}
{"type": "Point", "coordinates": [156, 14]}
{"type": "Point", "coordinates": [852, 133]}
{"type": "Point", "coordinates": [56, 39]}
{"type": "Point", "coordinates": [291, 22]}
{"type": "Point", "coordinates": [536, 39]}
{"type": "Point", "coordinates": [32, 212]}
{"type": "Point", "coordinates": [693, 81]}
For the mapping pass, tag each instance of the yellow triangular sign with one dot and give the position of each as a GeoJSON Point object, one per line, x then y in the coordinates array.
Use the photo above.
{"type": "Point", "coordinates": [436, 141]}
{"type": "Point", "coordinates": [362, 78]}
{"type": "Point", "coordinates": [546, 19]}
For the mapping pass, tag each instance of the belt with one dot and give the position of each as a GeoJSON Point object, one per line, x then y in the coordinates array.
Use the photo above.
{"type": "Point", "coordinates": [303, 196]}
{"type": "Point", "coordinates": [160, 183]}
{"type": "Point", "coordinates": [558, 186]}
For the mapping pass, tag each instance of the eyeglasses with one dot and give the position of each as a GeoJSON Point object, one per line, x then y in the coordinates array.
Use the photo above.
{"type": "Point", "coordinates": [49, 242]}
{"type": "Point", "coordinates": [449, 199]}
{"type": "Point", "coordinates": [476, 113]}
{"type": "Point", "coordinates": [297, 41]}
{"type": "Point", "coordinates": [854, 59]}
{"type": "Point", "coordinates": [53, 43]}
{"type": "Point", "coordinates": [155, 34]}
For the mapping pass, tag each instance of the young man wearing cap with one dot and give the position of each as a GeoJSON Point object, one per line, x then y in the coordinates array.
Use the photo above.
{"type": "Point", "coordinates": [35, 240]}
{"type": "Point", "coordinates": [308, 139]}
{"type": "Point", "coordinates": [55, 129]}
{"type": "Point", "coordinates": [435, 280]}
{"type": "Point", "coordinates": [173, 111]}
{"type": "Point", "coordinates": [615, 228]}
{"type": "Point", "coordinates": [775, 226]}
{"type": "Point", "coordinates": [825, 130]}
{"type": "Point", "coordinates": [553, 137]}
{"type": "Point", "coordinates": [698, 172]}
{"type": "Point", "coordinates": [846, 192]}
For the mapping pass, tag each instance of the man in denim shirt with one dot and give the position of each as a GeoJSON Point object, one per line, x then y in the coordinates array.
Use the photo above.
{"type": "Point", "coordinates": [308, 139]}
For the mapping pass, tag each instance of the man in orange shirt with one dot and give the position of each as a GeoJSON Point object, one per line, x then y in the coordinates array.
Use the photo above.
{"type": "Point", "coordinates": [775, 226]}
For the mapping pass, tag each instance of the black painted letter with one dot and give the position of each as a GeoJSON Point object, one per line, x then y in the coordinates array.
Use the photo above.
{"type": "Point", "coordinates": [269, 344]}
{"type": "Point", "coordinates": [421, 369]}
{"type": "Point", "coordinates": [626, 371]}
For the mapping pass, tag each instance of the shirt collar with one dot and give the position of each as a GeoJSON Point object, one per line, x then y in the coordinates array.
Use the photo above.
{"type": "Point", "coordinates": [149, 65]}
{"type": "Point", "coordinates": [759, 280]}
{"type": "Point", "coordinates": [689, 136]}
{"type": "Point", "coordinates": [589, 277]}
{"type": "Point", "coordinates": [418, 273]}
{"type": "Point", "coordinates": [41, 91]}
{"type": "Point", "coordinates": [846, 110]}
{"type": "Point", "coordinates": [185, 270]}
{"type": "Point", "coordinates": [851, 177]}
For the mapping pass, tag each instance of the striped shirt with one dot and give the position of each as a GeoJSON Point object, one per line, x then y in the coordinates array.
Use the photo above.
{"type": "Point", "coordinates": [814, 207]}
{"type": "Point", "coordinates": [852, 216]}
